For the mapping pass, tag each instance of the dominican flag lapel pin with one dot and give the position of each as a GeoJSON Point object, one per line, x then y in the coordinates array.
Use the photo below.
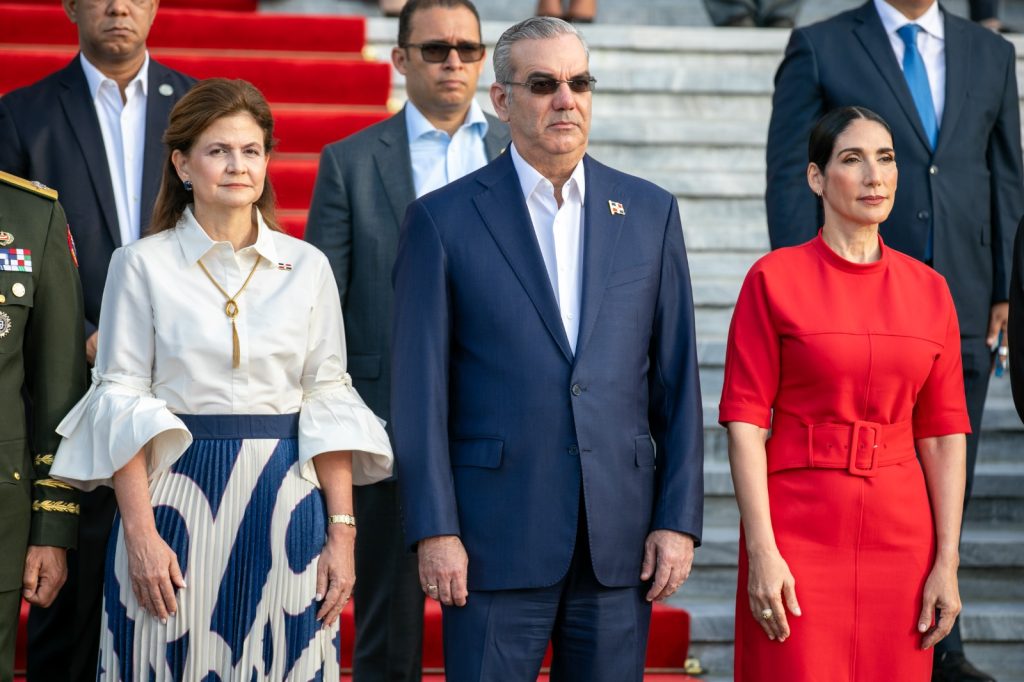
{"type": "Point", "coordinates": [284, 266]}
{"type": "Point", "coordinates": [616, 208]}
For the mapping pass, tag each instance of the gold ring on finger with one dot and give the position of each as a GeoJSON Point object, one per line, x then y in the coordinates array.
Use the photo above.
{"type": "Point", "coordinates": [767, 614]}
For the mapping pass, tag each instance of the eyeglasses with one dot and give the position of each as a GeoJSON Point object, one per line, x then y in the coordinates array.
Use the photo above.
{"type": "Point", "coordinates": [548, 86]}
{"type": "Point", "coordinates": [437, 52]}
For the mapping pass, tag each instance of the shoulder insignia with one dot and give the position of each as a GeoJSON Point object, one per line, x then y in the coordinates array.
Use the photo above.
{"type": "Point", "coordinates": [29, 185]}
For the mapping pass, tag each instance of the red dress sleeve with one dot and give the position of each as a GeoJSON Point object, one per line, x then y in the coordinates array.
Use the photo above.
{"type": "Point", "coordinates": [752, 357]}
{"type": "Point", "coordinates": [941, 407]}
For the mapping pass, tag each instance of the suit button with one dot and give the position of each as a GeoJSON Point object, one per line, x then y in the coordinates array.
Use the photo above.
{"type": "Point", "coordinates": [576, 390]}
{"type": "Point", "coordinates": [923, 215]}
{"type": "Point", "coordinates": [574, 451]}
{"type": "Point", "coordinates": [933, 170]}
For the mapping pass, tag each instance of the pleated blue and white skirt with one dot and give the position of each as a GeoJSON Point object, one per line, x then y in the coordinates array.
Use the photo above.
{"type": "Point", "coordinates": [247, 530]}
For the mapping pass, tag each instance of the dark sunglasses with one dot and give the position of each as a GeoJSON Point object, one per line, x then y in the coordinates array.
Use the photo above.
{"type": "Point", "coordinates": [437, 52]}
{"type": "Point", "coordinates": [548, 86]}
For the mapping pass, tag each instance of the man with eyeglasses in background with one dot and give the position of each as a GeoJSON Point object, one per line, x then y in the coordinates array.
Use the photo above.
{"type": "Point", "coordinates": [362, 189]}
{"type": "Point", "coordinates": [545, 399]}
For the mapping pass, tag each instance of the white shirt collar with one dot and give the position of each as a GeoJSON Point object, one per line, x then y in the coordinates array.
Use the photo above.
{"type": "Point", "coordinates": [892, 19]}
{"type": "Point", "coordinates": [417, 125]}
{"type": "Point", "coordinates": [95, 78]}
{"type": "Point", "coordinates": [530, 178]}
{"type": "Point", "coordinates": [195, 243]}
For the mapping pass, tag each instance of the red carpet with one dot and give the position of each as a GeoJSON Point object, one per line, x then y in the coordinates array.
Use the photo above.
{"type": "Point", "coordinates": [321, 89]}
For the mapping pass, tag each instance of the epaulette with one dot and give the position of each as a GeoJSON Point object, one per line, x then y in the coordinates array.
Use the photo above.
{"type": "Point", "coordinates": [30, 185]}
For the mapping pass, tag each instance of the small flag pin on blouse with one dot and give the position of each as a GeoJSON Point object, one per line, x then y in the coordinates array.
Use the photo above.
{"type": "Point", "coordinates": [616, 208]}
{"type": "Point", "coordinates": [166, 89]}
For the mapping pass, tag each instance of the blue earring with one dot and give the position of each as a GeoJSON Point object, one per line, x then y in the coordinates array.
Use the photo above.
{"type": "Point", "coordinates": [188, 185]}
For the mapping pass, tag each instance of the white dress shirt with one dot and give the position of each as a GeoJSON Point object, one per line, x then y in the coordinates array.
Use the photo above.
{"type": "Point", "coordinates": [559, 232]}
{"type": "Point", "coordinates": [931, 43]}
{"type": "Point", "coordinates": [166, 349]}
{"type": "Point", "coordinates": [123, 126]}
{"type": "Point", "coordinates": [438, 158]}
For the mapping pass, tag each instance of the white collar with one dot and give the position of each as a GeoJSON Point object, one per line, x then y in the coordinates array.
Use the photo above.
{"type": "Point", "coordinates": [195, 242]}
{"type": "Point", "coordinates": [417, 125]}
{"type": "Point", "coordinates": [95, 78]}
{"type": "Point", "coordinates": [530, 178]}
{"type": "Point", "coordinates": [893, 20]}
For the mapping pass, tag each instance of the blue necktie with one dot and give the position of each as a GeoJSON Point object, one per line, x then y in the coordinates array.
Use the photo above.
{"type": "Point", "coordinates": [917, 80]}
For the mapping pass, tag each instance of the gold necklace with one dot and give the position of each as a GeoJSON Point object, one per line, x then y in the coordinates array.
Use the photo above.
{"type": "Point", "coordinates": [231, 308]}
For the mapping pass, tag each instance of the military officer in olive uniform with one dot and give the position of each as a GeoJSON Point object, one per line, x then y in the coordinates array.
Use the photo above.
{"type": "Point", "coordinates": [42, 376]}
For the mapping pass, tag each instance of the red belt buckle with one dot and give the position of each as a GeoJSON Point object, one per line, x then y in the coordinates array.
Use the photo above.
{"type": "Point", "coordinates": [872, 469]}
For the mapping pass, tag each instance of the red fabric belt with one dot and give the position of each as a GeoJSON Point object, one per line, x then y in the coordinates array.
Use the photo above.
{"type": "Point", "coordinates": [860, 447]}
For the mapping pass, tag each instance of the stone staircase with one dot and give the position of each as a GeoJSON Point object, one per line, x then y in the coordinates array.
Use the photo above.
{"type": "Point", "coordinates": [688, 108]}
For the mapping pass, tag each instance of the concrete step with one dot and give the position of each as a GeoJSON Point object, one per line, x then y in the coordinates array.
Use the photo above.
{"type": "Point", "coordinates": [644, 159]}
{"type": "Point", "coordinates": [614, 13]}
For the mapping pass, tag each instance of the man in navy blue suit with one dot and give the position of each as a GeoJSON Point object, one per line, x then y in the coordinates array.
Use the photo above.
{"type": "Point", "coordinates": [948, 89]}
{"type": "Point", "coordinates": [545, 398]}
{"type": "Point", "coordinates": [92, 131]}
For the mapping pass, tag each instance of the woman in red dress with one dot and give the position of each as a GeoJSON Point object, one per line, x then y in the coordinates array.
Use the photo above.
{"type": "Point", "coordinates": [849, 352]}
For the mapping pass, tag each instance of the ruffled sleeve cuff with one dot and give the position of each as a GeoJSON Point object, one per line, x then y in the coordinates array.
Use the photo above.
{"type": "Point", "coordinates": [333, 417]}
{"type": "Point", "coordinates": [109, 425]}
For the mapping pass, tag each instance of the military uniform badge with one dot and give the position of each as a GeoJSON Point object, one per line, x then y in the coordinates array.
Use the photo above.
{"type": "Point", "coordinates": [6, 238]}
{"type": "Point", "coordinates": [16, 260]}
{"type": "Point", "coordinates": [5, 324]}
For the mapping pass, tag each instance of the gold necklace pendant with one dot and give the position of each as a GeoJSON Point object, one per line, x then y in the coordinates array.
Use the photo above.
{"type": "Point", "coordinates": [231, 308]}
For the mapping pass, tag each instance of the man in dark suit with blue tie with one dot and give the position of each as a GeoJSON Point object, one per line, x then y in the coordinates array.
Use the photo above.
{"type": "Point", "coordinates": [545, 397]}
{"type": "Point", "coordinates": [363, 187]}
{"type": "Point", "coordinates": [93, 132]}
{"type": "Point", "coordinates": [948, 89]}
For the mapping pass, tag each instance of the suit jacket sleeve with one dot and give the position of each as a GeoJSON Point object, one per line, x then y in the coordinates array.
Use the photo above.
{"type": "Point", "coordinates": [419, 389]}
{"type": "Point", "coordinates": [329, 227]}
{"type": "Point", "coordinates": [676, 415]}
{"type": "Point", "coordinates": [12, 155]}
{"type": "Point", "coordinates": [55, 376]}
{"type": "Point", "coordinates": [797, 104]}
{"type": "Point", "coordinates": [1016, 325]}
{"type": "Point", "coordinates": [1007, 180]}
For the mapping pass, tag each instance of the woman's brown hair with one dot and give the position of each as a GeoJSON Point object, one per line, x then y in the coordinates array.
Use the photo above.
{"type": "Point", "coordinates": [209, 101]}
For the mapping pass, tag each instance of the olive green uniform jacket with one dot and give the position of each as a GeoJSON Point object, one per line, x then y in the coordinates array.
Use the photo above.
{"type": "Point", "coordinates": [42, 370]}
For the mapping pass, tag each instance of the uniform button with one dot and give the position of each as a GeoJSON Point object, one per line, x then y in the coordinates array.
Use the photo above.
{"type": "Point", "coordinates": [933, 170]}
{"type": "Point", "coordinates": [17, 476]}
{"type": "Point", "coordinates": [923, 215]}
{"type": "Point", "coordinates": [3, 299]}
{"type": "Point", "coordinates": [576, 390]}
{"type": "Point", "coordinates": [18, 289]}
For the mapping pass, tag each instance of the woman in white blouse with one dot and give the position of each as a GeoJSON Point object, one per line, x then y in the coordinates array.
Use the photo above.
{"type": "Point", "coordinates": [223, 417]}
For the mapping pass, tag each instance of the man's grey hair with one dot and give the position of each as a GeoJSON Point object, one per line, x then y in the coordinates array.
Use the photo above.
{"type": "Point", "coordinates": [534, 28]}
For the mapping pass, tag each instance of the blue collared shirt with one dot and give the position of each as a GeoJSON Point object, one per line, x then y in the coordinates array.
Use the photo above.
{"type": "Point", "coordinates": [438, 158]}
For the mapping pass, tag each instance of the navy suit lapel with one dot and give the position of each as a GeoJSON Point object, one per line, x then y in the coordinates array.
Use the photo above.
{"type": "Point", "coordinates": [876, 43]}
{"type": "Point", "coordinates": [506, 217]}
{"type": "Point", "coordinates": [158, 112]}
{"type": "Point", "coordinates": [958, 65]}
{"type": "Point", "coordinates": [81, 115]}
{"type": "Point", "coordinates": [394, 166]}
{"type": "Point", "coordinates": [601, 230]}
